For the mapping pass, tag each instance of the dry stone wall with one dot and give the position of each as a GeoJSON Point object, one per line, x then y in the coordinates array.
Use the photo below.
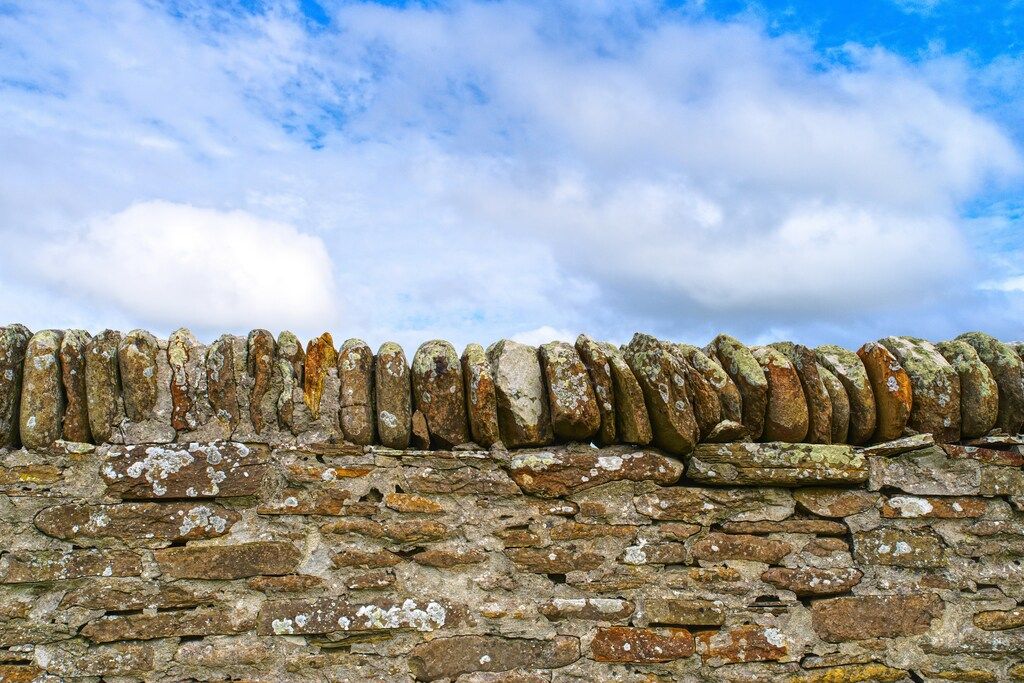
{"type": "Point", "coordinates": [256, 509]}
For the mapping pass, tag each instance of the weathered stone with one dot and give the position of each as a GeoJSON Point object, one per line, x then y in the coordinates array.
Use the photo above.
{"type": "Point", "coordinates": [936, 387]}
{"type": "Point", "coordinates": [571, 399]}
{"type": "Point", "coordinates": [356, 372]}
{"type": "Point", "coordinates": [663, 381]}
{"type": "Point", "coordinates": [178, 624]}
{"type": "Point", "coordinates": [979, 393]}
{"type": "Point", "coordinates": [42, 392]}
{"type": "Point", "coordinates": [228, 561]}
{"type": "Point", "coordinates": [392, 396]}
{"type": "Point", "coordinates": [830, 502]}
{"type": "Point", "coordinates": [191, 412]}
{"type": "Point", "coordinates": [184, 470]}
{"type": "Point", "coordinates": [992, 456]}
{"type": "Point", "coordinates": [366, 559]}
{"type": "Point", "coordinates": [103, 386]}
{"type": "Point", "coordinates": [892, 389]}
{"type": "Point", "coordinates": [401, 531]}
{"type": "Point", "coordinates": [899, 548]}
{"type": "Point", "coordinates": [48, 565]}
{"type": "Point", "coordinates": [574, 531]}
{"type": "Point", "coordinates": [710, 505]}
{"type": "Point", "coordinates": [816, 395]}
{"type": "Point", "coordinates": [74, 661]}
{"type": "Point", "coordinates": [338, 615]}
{"type": "Point", "coordinates": [641, 645]}
{"type": "Point", "coordinates": [588, 609]}
{"type": "Point", "coordinates": [820, 527]}
{"type": "Point", "coordinates": [446, 558]}
{"type": "Point", "coordinates": [600, 370]}
{"type": "Point", "coordinates": [849, 370]}
{"type": "Point", "coordinates": [1007, 369]}
{"type": "Point", "coordinates": [449, 657]}
{"type": "Point", "coordinates": [744, 643]}
{"type": "Point", "coordinates": [137, 365]}
{"type": "Point", "coordinates": [408, 502]}
{"type": "Point", "coordinates": [654, 553]}
{"type": "Point", "coordinates": [419, 435]}
{"type": "Point", "coordinates": [777, 464]}
{"type": "Point", "coordinates": [132, 594]}
{"type": "Point", "coordinates": [670, 610]}
{"type": "Point", "coordinates": [327, 499]}
{"type": "Point", "coordinates": [906, 444]}
{"type": "Point", "coordinates": [481, 396]}
{"type": "Point", "coordinates": [221, 384]}
{"type": "Point", "coordinates": [749, 378]}
{"type": "Point", "coordinates": [142, 523]}
{"type": "Point", "coordinates": [13, 341]}
{"type": "Point", "coordinates": [1000, 620]}
{"type": "Point", "coordinates": [840, 403]}
{"type": "Point", "coordinates": [561, 472]}
{"type": "Point", "coordinates": [786, 415]}
{"type": "Point", "coordinates": [852, 673]}
{"type": "Point", "coordinates": [632, 424]}
{"type": "Point", "coordinates": [928, 472]}
{"type": "Point", "coordinates": [289, 369]}
{"type": "Point", "coordinates": [707, 408]}
{"type": "Point", "coordinates": [27, 477]}
{"type": "Point", "coordinates": [729, 398]}
{"type": "Point", "coordinates": [838, 620]}
{"type": "Point", "coordinates": [811, 581]}
{"type": "Point", "coordinates": [553, 560]}
{"type": "Point", "coordinates": [321, 359]}
{"type": "Point", "coordinates": [932, 507]}
{"type": "Point", "coordinates": [72, 371]}
{"type": "Point", "coordinates": [261, 350]}
{"type": "Point", "coordinates": [523, 415]}
{"type": "Point", "coordinates": [439, 393]}
{"type": "Point", "coordinates": [715, 547]}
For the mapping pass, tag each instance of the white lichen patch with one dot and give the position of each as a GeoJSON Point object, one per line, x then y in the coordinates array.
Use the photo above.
{"type": "Point", "coordinates": [911, 506]}
{"type": "Point", "coordinates": [535, 461]}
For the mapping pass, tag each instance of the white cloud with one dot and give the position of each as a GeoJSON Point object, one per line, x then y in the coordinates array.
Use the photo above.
{"type": "Point", "coordinates": [543, 335]}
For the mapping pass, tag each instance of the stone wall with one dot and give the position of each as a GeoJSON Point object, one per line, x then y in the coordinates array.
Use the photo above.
{"type": "Point", "coordinates": [256, 510]}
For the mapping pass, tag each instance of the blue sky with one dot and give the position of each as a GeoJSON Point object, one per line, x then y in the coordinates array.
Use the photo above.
{"type": "Point", "coordinates": [823, 172]}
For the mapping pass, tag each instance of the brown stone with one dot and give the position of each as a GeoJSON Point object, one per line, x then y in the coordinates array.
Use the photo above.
{"type": "Point", "coordinates": [103, 386]}
{"type": "Point", "coordinates": [707, 409]}
{"type": "Point", "coordinates": [816, 395]}
{"type": "Point", "coordinates": [812, 581]}
{"type": "Point", "coordinates": [221, 383]}
{"type": "Point", "coordinates": [849, 370]}
{"type": "Point", "coordinates": [930, 472]}
{"type": "Point", "coordinates": [749, 378]}
{"type": "Point", "coordinates": [237, 561]}
{"type": "Point", "coordinates": [190, 404]}
{"type": "Point", "coordinates": [991, 456]}
{"type": "Point", "coordinates": [49, 565]}
{"type": "Point", "coordinates": [338, 615]}
{"type": "Point", "coordinates": [328, 499]}
{"type": "Point", "coordinates": [1007, 370]}
{"type": "Point", "coordinates": [131, 594]}
{"type": "Point", "coordinates": [840, 403]}
{"type": "Point", "coordinates": [575, 531]}
{"type": "Point", "coordinates": [832, 502]}
{"type": "Point", "coordinates": [571, 399]}
{"type": "Point", "coordinates": [400, 530]}
{"type": "Point", "coordinates": [481, 396]}
{"type": "Point", "coordinates": [13, 341]}
{"type": "Point", "coordinates": [654, 553]}
{"type": "Point", "coordinates": [524, 418]}
{"type": "Point", "coordinates": [706, 505]}
{"type": "Point", "coordinates": [641, 645]}
{"type": "Point", "coordinates": [838, 620]}
{"type": "Point", "coordinates": [408, 502]}
{"type": "Point", "coordinates": [588, 609]}
{"type": "Point", "coordinates": [777, 464]}
{"type": "Point", "coordinates": [356, 372]}
{"type": "Point", "coordinates": [632, 424]}
{"type": "Point", "coordinates": [446, 558]}
{"type": "Point", "coordinates": [193, 470]}
{"type": "Point", "coordinates": [290, 371]}
{"type": "Point", "coordinates": [367, 559]}
{"type": "Point", "coordinates": [371, 580]}
{"type": "Point", "coordinates": [142, 523]}
{"type": "Point", "coordinates": [891, 386]}
{"type": "Point", "coordinates": [821, 527]}
{"type": "Point", "coordinates": [553, 560]}
{"type": "Point", "coordinates": [263, 396]}
{"type": "Point", "coordinates": [463, 480]}
{"type": "Point", "coordinates": [176, 624]}
{"type": "Point", "coordinates": [669, 610]}
{"type": "Point", "coordinates": [979, 393]}
{"type": "Point", "coordinates": [557, 473]}
{"type": "Point", "coordinates": [936, 387]}
{"type": "Point", "coordinates": [321, 358]}
{"type": "Point", "coordinates": [600, 370]}
{"type": "Point", "coordinates": [744, 643]}
{"type": "Point", "coordinates": [899, 548]}
{"type": "Point", "coordinates": [786, 416]}
{"type": "Point", "coordinates": [825, 547]}
{"type": "Point", "coordinates": [439, 393]}
{"type": "Point", "coordinates": [72, 370]}
{"type": "Point", "coordinates": [41, 414]}
{"type": "Point", "coordinates": [1000, 620]}
{"type": "Point", "coordinates": [137, 364]}
{"type": "Point", "coordinates": [932, 507]}
{"type": "Point", "coordinates": [729, 399]}
{"type": "Point", "coordinates": [716, 547]}
{"type": "Point", "coordinates": [419, 435]}
{"type": "Point", "coordinates": [906, 444]}
{"type": "Point", "coordinates": [662, 379]}
{"type": "Point", "coordinates": [449, 657]}
{"type": "Point", "coordinates": [289, 583]}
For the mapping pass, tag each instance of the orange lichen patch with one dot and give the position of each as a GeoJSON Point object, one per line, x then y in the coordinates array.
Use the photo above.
{"type": "Point", "coordinates": [321, 358]}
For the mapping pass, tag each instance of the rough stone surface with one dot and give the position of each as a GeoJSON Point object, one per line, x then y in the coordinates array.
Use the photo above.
{"type": "Point", "coordinates": [41, 415]}
{"type": "Point", "coordinates": [728, 395]}
{"type": "Point", "coordinates": [776, 464]}
{"type": "Point", "coordinates": [641, 645]}
{"type": "Point", "coordinates": [72, 371]}
{"type": "Point", "coordinates": [1007, 369]}
{"type": "Point", "coordinates": [749, 378]}
{"type": "Point", "coordinates": [936, 387]}
{"type": "Point", "coordinates": [523, 415]}
{"type": "Point", "coordinates": [813, 581]}
{"type": "Point", "coordinates": [786, 416]}
{"type": "Point", "coordinates": [137, 364]}
{"type": "Point", "coordinates": [563, 471]}
{"type": "Point", "coordinates": [663, 382]}
{"type": "Point", "coordinates": [892, 388]}
{"type": "Point", "coordinates": [598, 365]}
{"type": "Point", "coordinates": [979, 393]}
{"type": "Point", "coordinates": [449, 657]}
{"type": "Point", "coordinates": [631, 420]}
{"type": "Point", "coordinates": [393, 396]}
{"type": "Point", "coordinates": [574, 412]}
{"type": "Point", "coordinates": [838, 620]}
{"type": "Point", "coordinates": [183, 470]}
{"type": "Point", "coordinates": [439, 393]}
{"type": "Point", "coordinates": [481, 396]}
{"type": "Point", "coordinates": [221, 384]}
{"type": "Point", "coordinates": [13, 341]}
{"type": "Point", "coordinates": [849, 370]}
{"type": "Point", "coordinates": [228, 561]}
{"type": "Point", "coordinates": [191, 412]}
{"type": "Point", "coordinates": [356, 372]}
{"type": "Point", "coordinates": [819, 406]}
{"type": "Point", "coordinates": [261, 350]}
{"type": "Point", "coordinates": [707, 409]}
{"type": "Point", "coordinates": [840, 403]}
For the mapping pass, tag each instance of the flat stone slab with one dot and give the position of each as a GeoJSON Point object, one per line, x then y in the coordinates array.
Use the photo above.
{"type": "Point", "coordinates": [776, 464]}
{"type": "Point", "coordinates": [559, 472]}
{"type": "Point", "coordinates": [333, 615]}
{"type": "Point", "coordinates": [194, 470]}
